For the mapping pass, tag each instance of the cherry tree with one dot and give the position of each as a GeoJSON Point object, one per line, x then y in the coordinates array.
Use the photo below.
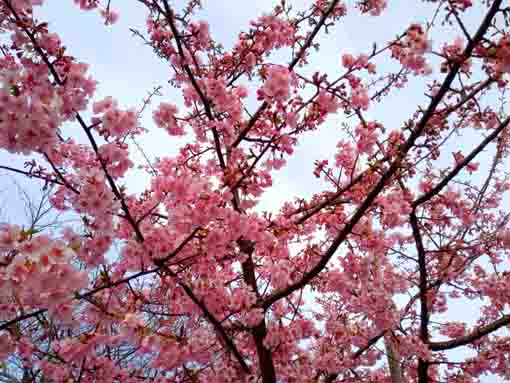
{"type": "Point", "coordinates": [189, 281]}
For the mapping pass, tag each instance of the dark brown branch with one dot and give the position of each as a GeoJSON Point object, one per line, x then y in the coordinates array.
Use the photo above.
{"type": "Point", "coordinates": [61, 176]}
{"type": "Point", "coordinates": [330, 378]}
{"type": "Point", "coordinates": [334, 199]}
{"type": "Point", "coordinates": [459, 21]}
{"type": "Point", "coordinates": [212, 319]}
{"type": "Point", "coordinates": [406, 147]}
{"type": "Point", "coordinates": [437, 189]}
{"type": "Point", "coordinates": [258, 332]}
{"type": "Point", "coordinates": [422, 264]}
{"type": "Point", "coordinates": [473, 336]}
{"type": "Point", "coordinates": [293, 63]}
{"type": "Point", "coordinates": [205, 101]}
{"type": "Point", "coordinates": [115, 284]}
{"type": "Point", "coordinates": [424, 311]}
{"type": "Point", "coordinates": [6, 325]}
{"type": "Point", "coordinates": [252, 167]}
{"type": "Point", "coordinates": [161, 261]}
{"type": "Point", "coordinates": [29, 174]}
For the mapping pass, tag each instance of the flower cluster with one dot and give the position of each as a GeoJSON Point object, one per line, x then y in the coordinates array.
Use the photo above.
{"type": "Point", "coordinates": [164, 117]}
{"type": "Point", "coordinates": [39, 272]}
{"type": "Point", "coordinates": [499, 55]}
{"type": "Point", "coordinates": [109, 15]}
{"type": "Point", "coordinates": [278, 83]}
{"type": "Point", "coordinates": [114, 122]}
{"type": "Point", "coordinates": [356, 63]}
{"type": "Point", "coordinates": [33, 109]}
{"type": "Point", "coordinates": [272, 32]}
{"type": "Point", "coordinates": [411, 50]}
{"type": "Point", "coordinates": [194, 279]}
{"type": "Point", "coordinates": [373, 7]}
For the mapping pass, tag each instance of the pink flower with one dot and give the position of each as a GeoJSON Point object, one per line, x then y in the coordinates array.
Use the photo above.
{"type": "Point", "coordinates": [453, 329]}
{"type": "Point", "coordinates": [278, 82]}
{"type": "Point", "coordinates": [25, 4]}
{"type": "Point", "coordinates": [6, 345]}
{"type": "Point", "coordinates": [376, 7]}
{"type": "Point", "coordinates": [291, 119]}
{"type": "Point", "coordinates": [103, 105]}
{"type": "Point", "coordinates": [327, 102]}
{"type": "Point", "coordinates": [86, 4]}
{"type": "Point", "coordinates": [251, 59]}
{"type": "Point", "coordinates": [411, 50]}
{"type": "Point", "coordinates": [116, 159]}
{"type": "Point", "coordinates": [502, 55]}
{"type": "Point", "coordinates": [504, 238]}
{"type": "Point", "coordinates": [164, 117]}
{"type": "Point", "coordinates": [9, 237]}
{"type": "Point", "coordinates": [51, 43]}
{"type": "Point", "coordinates": [360, 98]}
{"type": "Point", "coordinates": [367, 137]}
{"type": "Point", "coordinates": [348, 60]}
{"type": "Point", "coordinates": [201, 32]}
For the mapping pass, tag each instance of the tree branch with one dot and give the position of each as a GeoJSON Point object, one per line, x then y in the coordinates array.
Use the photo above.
{"type": "Point", "coordinates": [6, 325]}
{"type": "Point", "coordinates": [291, 66]}
{"type": "Point", "coordinates": [406, 147]}
{"type": "Point", "coordinates": [474, 335]}
{"type": "Point", "coordinates": [441, 185]}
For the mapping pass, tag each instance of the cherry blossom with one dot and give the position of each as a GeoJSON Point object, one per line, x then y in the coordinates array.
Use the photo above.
{"type": "Point", "coordinates": [356, 276]}
{"type": "Point", "coordinates": [278, 83]}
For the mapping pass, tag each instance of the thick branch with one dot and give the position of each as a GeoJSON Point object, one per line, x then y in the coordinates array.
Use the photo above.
{"type": "Point", "coordinates": [474, 335]}
{"type": "Point", "coordinates": [258, 332]}
{"type": "Point", "coordinates": [6, 325]}
{"type": "Point", "coordinates": [205, 101]}
{"type": "Point", "coordinates": [424, 311]}
{"type": "Point", "coordinates": [394, 361]}
{"type": "Point", "coordinates": [406, 147]}
{"type": "Point", "coordinates": [216, 324]}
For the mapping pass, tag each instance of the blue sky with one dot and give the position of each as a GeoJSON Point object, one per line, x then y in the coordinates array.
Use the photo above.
{"type": "Point", "coordinates": [127, 69]}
